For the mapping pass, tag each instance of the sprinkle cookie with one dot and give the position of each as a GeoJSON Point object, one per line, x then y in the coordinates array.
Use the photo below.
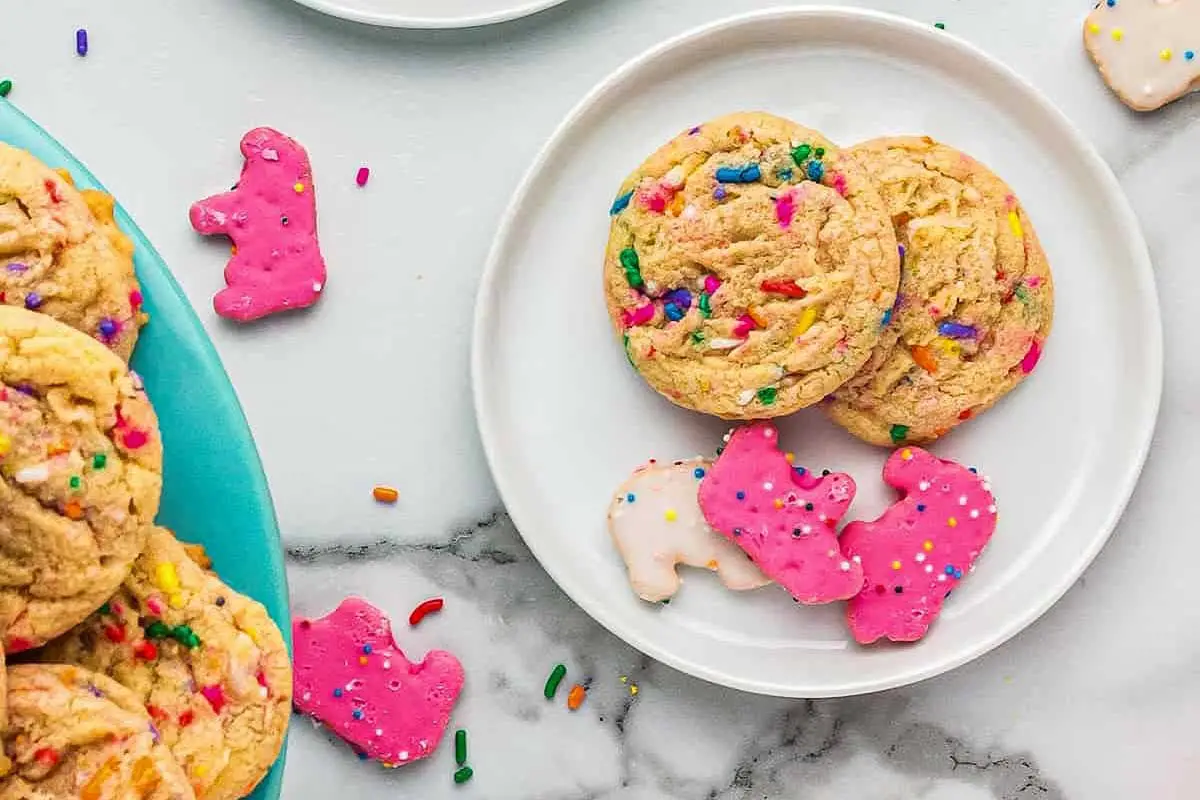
{"type": "Point", "coordinates": [920, 548]}
{"type": "Point", "coordinates": [784, 517]}
{"type": "Point", "coordinates": [656, 524]}
{"type": "Point", "coordinates": [208, 663]}
{"type": "Point", "coordinates": [351, 676]}
{"type": "Point", "coordinates": [81, 461]}
{"type": "Point", "coordinates": [75, 734]}
{"type": "Point", "coordinates": [1146, 50]}
{"type": "Point", "coordinates": [749, 265]}
{"type": "Point", "coordinates": [62, 254]}
{"type": "Point", "coordinates": [976, 298]}
{"type": "Point", "coordinates": [271, 216]}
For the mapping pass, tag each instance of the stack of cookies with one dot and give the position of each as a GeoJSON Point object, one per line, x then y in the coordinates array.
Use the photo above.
{"type": "Point", "coordinates": [142, 674]}
{"type": "Point", "coordinates": [754, 268]}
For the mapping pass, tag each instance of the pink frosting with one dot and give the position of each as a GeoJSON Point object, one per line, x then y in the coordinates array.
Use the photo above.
{"type": "Point", "coordinates": [350, 675]}
{"type": "Point", "coordinates": [271, 216]}
{"type": "Point", "coordinates": [783, 517]}
{"type": "Point", "coordinates": [920, 548]}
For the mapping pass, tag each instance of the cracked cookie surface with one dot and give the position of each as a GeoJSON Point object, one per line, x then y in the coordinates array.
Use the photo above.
{"type": "Point", "coordinates": [61, 253]}
{"type": "Point", "coordinates": [209, 664]}
{"type": "Point", "coordinates": [976, 297]}
{"type": "Point", "coordinates": [80, 475]}
{"type": "Point", "coordinates": [749, 266]}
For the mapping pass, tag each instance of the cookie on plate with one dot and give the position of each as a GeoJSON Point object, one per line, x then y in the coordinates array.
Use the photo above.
{"type": "Point", "coordinates": [1145, 49]}
{"type": "Point", "coordinates": [75, 734]}
{"type": "Point", "coordinates": [749, 265]}
{"type": "Point", "coordinates": [976, 298]}
{"type": "Point", "coordinates": [208, 663]}
{"type": "Point", "coordinates": [61, 253]}
{"type": "Point", "coordinates": [81, 461]}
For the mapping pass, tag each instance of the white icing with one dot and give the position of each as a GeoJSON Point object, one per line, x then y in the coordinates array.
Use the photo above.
{"type": "Point", "coordinates": [652, 545]}
{"type": "Point", "coordinates": [1141, 46]}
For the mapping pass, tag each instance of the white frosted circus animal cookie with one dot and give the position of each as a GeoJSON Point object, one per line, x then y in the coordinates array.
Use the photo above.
{"type": "Point", "coordinates": [656, 524]}
{"type": "Point", "coordinates": [1146, 49]}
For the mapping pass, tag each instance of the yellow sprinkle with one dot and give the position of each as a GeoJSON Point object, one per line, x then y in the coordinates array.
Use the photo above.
{"type": "Point", "coordinates": [952, 522]}
{"type": "Point", "coordinates": [168, 579]}
{"type": "Point", "coordinates": [200, 770]}
{"type": "Point", "coordinates": [624, 679]}
{"type": "Point", "coordinates": [705, 385]}
{"type": "Point", "coordinates": [677, 205]}
{"type": "Point", "coordinates": [1165, 54]}
{"type": "Point", "coordinates": [671, 515]}
{"type": "Point", "coordinates": [252, 632]}
{"type": "Point", "coordinates": [896, 565]}
{"type": "Point", "coordinates": [757, 315]}
{"type": "Point", "coordinates": [906, 454]}
{"type": "Point", "coordinates": [791, 457]}
{"type": "Point", "coordinates": [948, 345]}
{"type": "Point", "coordinates": [1118, 34]}
{"type": "Point", "coordinates": [807, 318]}
{"type": "Point", "coordinates": [928, 545]}
{"type": "Point", "coordinates": [5, 444]}
{"type": "Point", "coordinates": [1093, 27]}
{"type": "Point", "coordinates": [299, 187]}
{"type": "Point", "coordinates": [175, 601]}
{"type": "Point", "coordinates": [633, 689]}
{"type": "Point", "coordinates": [1014, 222]}
{"type": "Point", "coordinates": [778, 503]}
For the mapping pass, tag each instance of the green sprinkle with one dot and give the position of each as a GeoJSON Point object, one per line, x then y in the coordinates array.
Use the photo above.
{"type": "Point", "coordinates": [463, 775]}
{"type": "Point", "coordinates": [460, 747]}
{"type": "Point", "coordinates": [185, 636]}
{"type": "Point", "coordinates": [631, 265]}
{"type": "Point", "coordinates": [801, 154]}
{"type": "Point", "coordinates": [106, 609]}
{"type": "Point", "coordinates": [819, 152]}
{"type": "Point", "coordinates": [99, 460]}
{"type": "Point", "coordinates": [766, 395]}
{"type": "Point", "coordinates": [556, 675]}
{"type": "Point", "coordinates": [628, 355]}
{"type": "Point", "coordinates": [5, 87]}
{"type": "Point", "coordinates": [697, 337]}
{"type": "Point", "coordinates": [75, 482]}
{"type": "Point", "coordinates": [899, 433]}
{"type": "Point", "coordinates": [705, 305]}
{"type": "Point", "coordinates": [157, 630]}
{"type": "Point", "coordinates": [1021, 294]}
{"type": "Point", "coordinates": [941, 26]}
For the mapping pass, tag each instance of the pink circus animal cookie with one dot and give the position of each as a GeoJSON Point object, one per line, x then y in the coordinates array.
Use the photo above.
{"type": "Point", "coordinates": [271, 216]}
{"type": "Point", "coordinates": [1146, 50]}
{"type": "Point", "coordinates": [783, 517]}
{"type": "Point", "coordinates": [920, 548]}
{"type": "Point", "coordinates": [351, 676]}
{"type": "Point", "coordinates": [656, 524]}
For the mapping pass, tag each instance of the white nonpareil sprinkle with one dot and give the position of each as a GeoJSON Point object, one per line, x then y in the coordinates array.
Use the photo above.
{"type": "Point", "coordinates": [974, 513]}
{"type": "Point", "coordinates": [768, 486]}
{"type": "Point", "coordinates": [923, 486]}
{"type": "Point", "coordinates": [844, 566]}
{"type": "Point", "coordinates": [962, 500]}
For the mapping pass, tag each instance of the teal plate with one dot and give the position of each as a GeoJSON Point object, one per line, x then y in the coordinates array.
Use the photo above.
{"type": "Point", "coordinates": [214, 489]}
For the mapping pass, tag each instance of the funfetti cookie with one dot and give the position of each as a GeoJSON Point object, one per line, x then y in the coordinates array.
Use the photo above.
{"type": "Point", "coordinates": [208, 663]}
{"type": "Point", "coordinates": [1146, 50]}
{"type": "Point", "coordinates": [81, 461]}
{"type": "Point", "coordinates": [656, 524]}
{"type": "Point", "coordinates": [783, 516]}
{"type": "Point", "coordinates": [976, 297]}
{"type": "Point", "coordinates": [749, 264]}
{"type": "Point", "coordinates": [271, 216]}
{"type": "Point", "coordinates": [76, 735]}
{"type": "Point", "coordinates": [351, 676]}
{"type": "Point", "coordinates": [919, 550]}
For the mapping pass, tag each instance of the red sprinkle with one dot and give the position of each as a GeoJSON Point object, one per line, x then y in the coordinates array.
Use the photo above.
{"type": "Point", "coordinates": [261, 677]}
{"type": "Point", "coordinates": [428, 607]}
{"type": "Point", "coordinates": [215, 697]}
{"type": "Point", "coordinates": [114, 633]}
{"type": "Point", "coordinates": [16, 644]}
{"type": "Point", "coordinates": [146, 650]}
{"type": "Point", "coordinates": [52, 188]}
{"type": "Point", "coordinates": [784, 287]}
{"type": "Point", "coordinates": [157, 713]}
{"type": "Point", "coordinates": [186, 718]}
{"type": "Point", "coordinates": [362, 176]}
{"type": "Point", "coordinates": [46, 755]}
{"type": "Point", "coordinates": [134, 438]}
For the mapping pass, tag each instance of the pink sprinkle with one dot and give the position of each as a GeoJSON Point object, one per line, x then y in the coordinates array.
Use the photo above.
{"type": "Point", "coordinates": [362, 176]}
{"type": "Point", "coordinates": [135, 298]}
{"type": "Point", "coordinates": [134, 439]}
{"type": "Point", "coordinates": [1031, 357]}
{"type": "Point", "coordinates": [215, 697]}
{"type": "Point", "coordinates": [839, 183]}
{"type": "Point", "coordinates": [154, 605]}
{"type": "Point", "coordinates": [639, 316]}
{"type": "Point", "coordinates": [745, 324]}
{"type": "Point", "coordinates": [1033, 281]}
{"type": "Point", "coordinates": [785, 209]}
{"type": "Point", "coordinates": [711, 284]}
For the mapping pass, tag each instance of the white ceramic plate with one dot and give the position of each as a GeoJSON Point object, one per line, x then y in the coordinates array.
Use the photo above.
{"type": "Point", "coordinates": [564, 419]}
{"type": "Point", "coordinates": [430, 13]}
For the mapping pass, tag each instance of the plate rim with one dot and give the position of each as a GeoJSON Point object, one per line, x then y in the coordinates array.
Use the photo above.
{"type": "Point", "coordinates": [337, 8]}
{"type": "Point", "coordinates": [1143, 274]}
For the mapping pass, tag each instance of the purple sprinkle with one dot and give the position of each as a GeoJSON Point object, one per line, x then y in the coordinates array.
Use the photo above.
{"type": "Point", "coordinates": [680, 297]}
{"type": "Point", "coordinates": [956, 330]}
{"type": "Point", "coordinates": [81, 42]}
{"type": "Point", "coordinates": [26, 388]}
{"type": "Point", "coordinates": [902, 251]}
{"type": "Point", "coordinates": [694, 131]}
{"type": "Point", "coordinates": [719, 193]}
{"type": "Point", "coordinates": [17, 266]}
{"type": "Point", "coordinates": [109, 328]}
{"type": "Point", "coordinates": [95, 691]}
{"type": "Point", "coordinates": [155, 734]}
{"type": "Point", "coordinates": [33, 300]}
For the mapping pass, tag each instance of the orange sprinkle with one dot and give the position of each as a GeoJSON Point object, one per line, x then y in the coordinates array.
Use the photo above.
{"type": "Point", "coordinates": [778, 503]}
{"type": "Point", "coordinates": [57, 449]}
{"type": "Point", "coordinates": [385, 494]}
{"type": "Point", "coordinates": [757, 315]}
{"type": "Point", "coordinates": [575, 697]}
{"type": "Point", "coordinates": [924, 358]}
{"type": "Point", "coordinates": [712, 564]}
{"type": "Point", "coordinates": [73, 510]}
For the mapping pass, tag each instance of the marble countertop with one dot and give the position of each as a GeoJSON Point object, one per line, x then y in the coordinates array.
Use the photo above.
{"type": "Point", "coordinates": [1098, 700]}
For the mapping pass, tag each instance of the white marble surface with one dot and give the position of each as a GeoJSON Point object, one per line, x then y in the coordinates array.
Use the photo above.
{"type": "Point", "coordinates": [1099, 700]}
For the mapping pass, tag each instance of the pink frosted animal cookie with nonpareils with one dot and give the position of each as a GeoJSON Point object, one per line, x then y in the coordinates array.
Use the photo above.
{"type": "Point", "coordinates": [350, 675]}
{"type": "Point", "coordinates": [920, 548]}
{"type": "Point", "coordinates": [783, 517]}
{"type": "Point", "coordinates": [271, 216]}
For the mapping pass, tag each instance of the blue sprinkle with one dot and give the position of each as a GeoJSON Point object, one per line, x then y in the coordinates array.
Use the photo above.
{"type": "Point", "coordinates": [973, 470]}
{"type": "Point", "coordinates": [680, 297]}
{"type": "Point", "coordinates": [956, 330]}
{"type": "Point", "coordinates": [1112, 3]}
{"type": "Point", "coordinates": [621, 203]}
{"type": "Point", "coordinates": [800, 470]}
{"type": "Point", "coordinates": [737, 531]}
{"type": "Point", "coordinates": [33, 300]}
{"type": "Point", "coordinates": [673, 312]}
{"type": "Point", "coordinates": [785, 174]}
{"type": "Point", "coordinates": [1190, 55]}
{"type": "Point", "coordinates": [108, 328]}
{"type": "Point", "coordinates": [747, 174]}
{"type": "Point", "coordinates": [887, 318]}
{"type": "Point", "coordinates": [816, 170]}
{"type": "Point", "coordinates": [81, 43]}
{"type": "Point", "coordinates": [367, 649]}
{"type": "Point", "coordinates": [629, 498]}
{"type": "Point", "coordinates": [949, 569]}
{"type": "Point", "coordinates": [358, 714]}
{"type": "Point", "coordinates": [741, 495]}
{"type": "Point", "coordinates": [698, 472]}
{"type": "Point", "coordinates": [337, 692]}
{"type": "Point", "coordinates": [920, 506]}
{"type": "Point", "coordinates": [958, 574]}
{"type": "Point", "coordinates": [362, 756]}
{"type": "Point", "coordinates": [719, 193]}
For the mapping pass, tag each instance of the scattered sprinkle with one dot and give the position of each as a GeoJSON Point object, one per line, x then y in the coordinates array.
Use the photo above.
{"type": "Point", "coordinates": [463, 775]}
{"type": "Point", "coordinates": [941, 26]}
{"type": "Point", "coordinates": [621, 203]}
{"type": "Point", "coordinates": [460, 747]}
{"type": "Point", "coordinates": [385, 494]}
{"type": "Point", "coordinates": [81, 41]}
{"type": "Point", "coordinates": [430, 606]}
{"type": "Point", "coordinates": [576, 697]}
{"type": "Point", "coordinates": [5, 87]}
{"type": "Point", "coordinates": [556, 675]}
{"type": "Point", "coordinates": [670, 515]}
{"type": "Point", "coordinates": [363, 175]}
{"type": "Point", "coordinates": [898, 433]}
